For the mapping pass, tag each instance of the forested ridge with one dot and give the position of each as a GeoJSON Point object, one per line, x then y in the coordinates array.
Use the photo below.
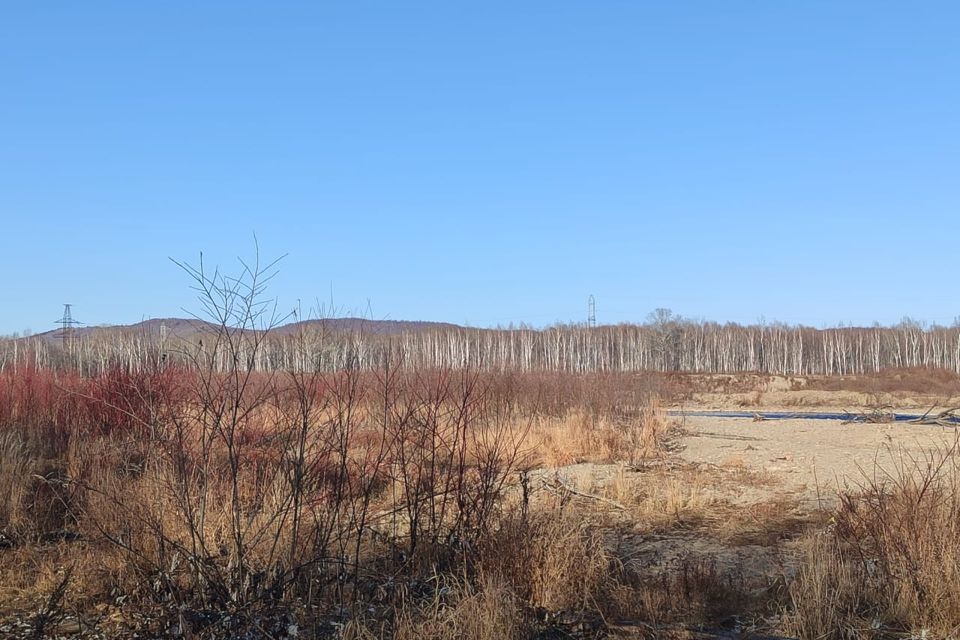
{"type": "Point", "coordinates": [665, 343]}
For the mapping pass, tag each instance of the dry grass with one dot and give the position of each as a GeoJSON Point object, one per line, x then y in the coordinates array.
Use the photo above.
{"type": "Point", "coordinates": [664, 500]}
{"type": "Point", "coordinates": [486, 611]}
{"type": "Point", "coordinates": [705, 498]}
{"type": "Point", "coordinates": [30, 573]}
{"type": "Point", "coordinates": [17, 464]}
{"type": "Point", "coordinates": [891, 559]}
{"type": "Point", "coordinates": [828, 598]}
{"type": "Point", "coordinates": [554, 558]}
{"type": "Point", "coordinates": [533, 566]}
{"type": "Point", "coordinates": [754, 399]}
{"type": "Point", "coordinates": [586, 436]}
{"type": "Point", "coordinates": [901, 382]}
{"type": "Point", "coordinates": [905, 381]}
{"type": "Point", "coordinates": [411, 524]}
{"type": "Point", "coordinates": [401, 482]}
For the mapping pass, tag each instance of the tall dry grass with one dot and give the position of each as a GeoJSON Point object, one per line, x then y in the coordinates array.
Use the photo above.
{"type": "Point", "coordinates": [583, 435]}
{"type": "Point", "coordinates": [890, 562]}
{"type": "Point", "coordinates": [17, 464]}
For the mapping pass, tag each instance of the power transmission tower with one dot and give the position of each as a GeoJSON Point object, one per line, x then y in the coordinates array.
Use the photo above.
{"type": "Point", "coordinates": [591, 312]}
{"type": "Point", "coordinates": [67, 323]}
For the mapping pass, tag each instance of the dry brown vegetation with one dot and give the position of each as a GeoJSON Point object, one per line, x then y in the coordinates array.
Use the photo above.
{"type": "Point", "coordinates": [385, 504]}
{"type": "Point", "coordinates": [205, 497]}
{"type": "Point", "coordinates": [890, 559]}
{"type": "Point", "coordinates": [436, 505]}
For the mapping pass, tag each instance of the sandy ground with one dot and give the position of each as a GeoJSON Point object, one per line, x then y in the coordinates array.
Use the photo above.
{"type": "Point", "coordinates": [810, 457]}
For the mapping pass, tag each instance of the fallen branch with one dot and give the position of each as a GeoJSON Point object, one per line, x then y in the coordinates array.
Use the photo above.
{"type": "Point", "coordinates": [878, 415]}
{"type": "Point", "coordinates": [555, 485]}
{"type": "Point", "coordinates": [945, 418]}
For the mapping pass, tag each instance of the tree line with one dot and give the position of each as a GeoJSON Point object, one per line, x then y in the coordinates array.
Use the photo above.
{"type": "Point", "coordinates": [664, 343]}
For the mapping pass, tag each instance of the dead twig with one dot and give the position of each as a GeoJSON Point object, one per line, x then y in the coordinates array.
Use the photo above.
{"type": "Point", "coordinates": [52, 611]}
{"type": "Point", "coordinates": [556, 485]}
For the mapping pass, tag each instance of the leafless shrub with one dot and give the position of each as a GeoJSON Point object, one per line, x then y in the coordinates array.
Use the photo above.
{"type": "Point", "coordinates": [248, 490]}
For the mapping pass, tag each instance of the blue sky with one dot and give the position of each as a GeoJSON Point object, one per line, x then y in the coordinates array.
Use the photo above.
{"type": "Point", "coordinates": [485, 163]}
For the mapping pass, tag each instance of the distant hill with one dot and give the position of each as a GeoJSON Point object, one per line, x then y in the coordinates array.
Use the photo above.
{"type": "Point", "coordinates": [186, 327]}
{"type": "Point", "coordinates": [363, 325]}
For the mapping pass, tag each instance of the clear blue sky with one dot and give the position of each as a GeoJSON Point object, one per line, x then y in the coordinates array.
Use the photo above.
{"type": "Point", "coordinates": [487, 162]}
